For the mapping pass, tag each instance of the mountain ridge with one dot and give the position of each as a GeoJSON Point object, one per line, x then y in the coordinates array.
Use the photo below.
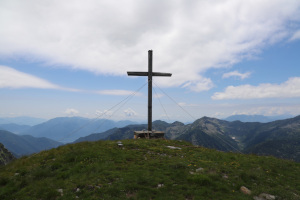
{"type": "Point", "coordinates": [68, 129]}
{"type": "Point", "coordinates": [14, 128]}
{"type": "Point", "coordinates": [22, 120]}
{"type": "Point", "coordinates": [21, 145]}
{"type": "Point", "coordinates": [221, 135]}
{"type": "Point", "coordinates": [256, 118]}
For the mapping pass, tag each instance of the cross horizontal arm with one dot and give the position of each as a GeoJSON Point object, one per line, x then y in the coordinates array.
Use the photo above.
{"type": "Point", "coordinates": [137, 73]}
{"type": "Point", "coordinates": [146, 74]}
{"type": "Point", "coordinates": [161, 74]}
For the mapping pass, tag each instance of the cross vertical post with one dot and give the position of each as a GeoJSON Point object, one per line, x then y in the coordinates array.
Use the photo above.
{"type": "Point", "coordinates": [150, 90]}
{"type": "Point", "coordinates": [150, 74]}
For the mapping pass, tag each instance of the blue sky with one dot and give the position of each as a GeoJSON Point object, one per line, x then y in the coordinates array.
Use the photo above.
{"type": "Point", "coordinates": [70, 58]}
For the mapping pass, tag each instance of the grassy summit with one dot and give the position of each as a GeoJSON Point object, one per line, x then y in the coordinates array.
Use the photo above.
{"type": "Point", "coordinates": [146, 169]}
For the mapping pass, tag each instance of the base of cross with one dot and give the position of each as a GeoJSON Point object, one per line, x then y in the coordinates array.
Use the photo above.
{"type": "Point", "coordinates": [148, 134]}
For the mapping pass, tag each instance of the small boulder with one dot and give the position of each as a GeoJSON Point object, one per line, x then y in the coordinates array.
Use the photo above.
{"type": "Point", "coordinates": [267, 196]}
{"type": "Point", "coordinates": [61, 191]}
{"type": "Point", "coordinates": [257, 198]}
{"type": "Point", "coordinates": [120, 145]}
{"type": "Point", "coordinates": [245, 190]}
{"type": "Point", "coordinates": [199, 169]}
{"type": "Point", "coordinates": [172, 147]}
{"type": "Point", "coordinates": [264, 196]}
{"type": "Point", "coordinates": [225, 176]}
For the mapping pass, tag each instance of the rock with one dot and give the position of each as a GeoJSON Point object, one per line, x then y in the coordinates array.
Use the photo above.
{"type": "Point", "coordinates": [120, 145]}
{"type": "Point", "coordinates": [77, 190]}
{"type": "Point", "coordinates": [225, 176]}
{"type": "Point", "coordinates": [160, 185]}
{"type": "Point", "coordinates": [264, 196]}
{"type": "Point", "coordinates": [90, 187]}
{"type": "Point", "coordinates": [245, 190]}
{"type": "Point", "coordinates": [199, 169]}
{"type": "Point", "coordinates": [258, 198]}
{"type": "Point", "coordinates": [61, 191]}
{"type": "Point", "coordinates": [172, 147]}
{"type": "Point", "coordinates": [5, 155]}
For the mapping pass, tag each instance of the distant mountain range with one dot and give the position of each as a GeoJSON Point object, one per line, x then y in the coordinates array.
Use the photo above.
{"type": "Point", "coordinates": [68, 129]}
{"type": "Point", "coordinates": [30, 121]}
{"type": "Point", "coordinates": [256, 118]}
{"type": "Point", "coordinates": [14, 128]}
{"type": "Point", "coordinates": [279, 138]}
{"type": "Point", "coordinates": [25, 144]}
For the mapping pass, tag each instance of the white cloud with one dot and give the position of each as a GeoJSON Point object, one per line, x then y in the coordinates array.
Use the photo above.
{"type": "Point", "coordinates": [14, 79]}
{"type": "Point", "coordinates": [202, 84]}
{"type": "Point", "coordinates": [109, 37]}
{"type": "Point", "coordinates": [295, 36]}
{"type": "Point", "coordinates": [11, 78]}
{"type": "Point", "coordinates": [118, 92]}
{"type": "Point", "coordinates": [288, 89]}
{"type": "Point", "coordinates": [158, 95]}
{"type": "Point", "coordinates": [184, 104]}
{"type": "Point", "coordinates": [268, 110]}
{"type": "Point", "coordinates": [218, 114]}
{"type": "Point", "coordinates": [237, 74]}
{"type": "Point", "coordinates": [129, 112]}
{"type": "Point", "coordinates": [71, 112]}
{"type": "Point", "coordinates": [104, 113]}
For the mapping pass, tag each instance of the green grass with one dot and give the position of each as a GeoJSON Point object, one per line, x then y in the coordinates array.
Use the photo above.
{"type": "Point", "coordinates": [146, 169]}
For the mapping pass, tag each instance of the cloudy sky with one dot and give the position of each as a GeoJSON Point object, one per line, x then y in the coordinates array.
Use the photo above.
{"type": "Point", "coordinates": [70, 58]}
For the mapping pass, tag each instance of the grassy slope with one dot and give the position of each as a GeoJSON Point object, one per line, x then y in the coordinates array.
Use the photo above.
{"type": "Point", "coordinates": [102, 170]}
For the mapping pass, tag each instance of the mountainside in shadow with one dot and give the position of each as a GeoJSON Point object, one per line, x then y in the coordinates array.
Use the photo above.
{"type": "Point", "coordinates": [248, 137]}
{"type": "Point", "coordinates": [14, 128]}
{"type": "Point", "coordinates": [68, 129]}
{"type": "Point", "coordinates": [25, 144]}
{"type": "Point", "coordinates": [5, 155]}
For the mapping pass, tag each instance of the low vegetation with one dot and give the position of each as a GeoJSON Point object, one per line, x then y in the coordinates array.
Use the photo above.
{"type": "Point", "coordinates": [146, 169]}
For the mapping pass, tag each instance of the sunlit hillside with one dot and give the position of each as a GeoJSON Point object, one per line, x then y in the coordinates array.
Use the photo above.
{"type": "Point", "coordinates": [147, 169]}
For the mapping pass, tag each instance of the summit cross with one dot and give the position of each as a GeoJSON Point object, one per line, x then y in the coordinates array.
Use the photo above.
{"type": "Point", "coordinates": [150, 73]}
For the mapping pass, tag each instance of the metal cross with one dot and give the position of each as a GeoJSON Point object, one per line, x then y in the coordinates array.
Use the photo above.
{"type": "Point", "coordinates": [149, 74]}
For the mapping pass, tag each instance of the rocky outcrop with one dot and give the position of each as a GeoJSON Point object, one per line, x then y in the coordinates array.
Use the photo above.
{"type": "Point", "coordinates": [5, 155]}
